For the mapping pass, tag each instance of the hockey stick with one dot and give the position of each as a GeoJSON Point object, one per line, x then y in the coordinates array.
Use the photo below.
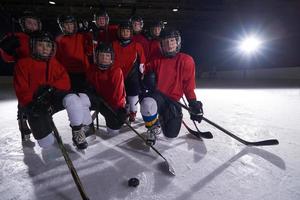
{"type": "Point", "coordinates": [64, 152]}
{"type": "Point", "coordinates": [170, 168]}
{"type": "Point", "coordinates": [206, 134]}
{"type": "Point", "coordinates": [68, 161]}
{"type": "Point", "coordinates": [95, 116]}
{"type": "Point", "coordinates": [196, 133]}
{"type": "Point", "coordinates": [248, 143]}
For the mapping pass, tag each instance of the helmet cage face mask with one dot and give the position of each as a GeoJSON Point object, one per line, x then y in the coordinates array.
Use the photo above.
{"type": "Point", "coordinates": [136, 19]}
{"type": "Point", "coordinates": [103, 48]}
{"type": "Point", "coordinates": [125, 41]}
{"type": "Point", "coordinates": [67, 19]}
{"type": "Point", "coordinates": [168, 35]}
{"type": "Point", "coordinates": [156, 25]}
{"type": "Point", "coordinates": [23, 26]}
{"type": "Point", "coordinates": [101, 14]}
{"type": "Point", "coordinates": [34, 51]}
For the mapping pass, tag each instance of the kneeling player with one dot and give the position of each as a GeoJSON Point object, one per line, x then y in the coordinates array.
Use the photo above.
{"type": "Point", "coordinates": [169, 77]}
{"type": "Point", "coordinates": [41, 85]}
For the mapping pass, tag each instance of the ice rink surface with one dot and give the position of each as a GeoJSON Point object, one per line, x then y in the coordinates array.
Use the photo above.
{"type": "Point", "coordinates": [216, 169]}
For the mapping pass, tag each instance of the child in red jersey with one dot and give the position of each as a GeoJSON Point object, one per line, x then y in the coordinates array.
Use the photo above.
{"type": "Point", "coordinates": [168, 79]}
{"type": "Point", "coordinates": [131, 57]}
{"type": "Point", "coordinates": [42, 87]}
{"type": "Point", "coordinates": [137, 24]}
{"type": "Point", "coordinates": [106, 80]}
{"type": "Point", "coordinates": [154, 40]}
{"type": "Point", "coordinates": [15, 46]}
{"type": "Point", "coordinates": [73, 49]}
{"type": "Point", "coordinates": [104, 32]}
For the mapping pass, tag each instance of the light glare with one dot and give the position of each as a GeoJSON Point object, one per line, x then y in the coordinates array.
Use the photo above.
{"type": "Point", "coordinates": [250, 45]}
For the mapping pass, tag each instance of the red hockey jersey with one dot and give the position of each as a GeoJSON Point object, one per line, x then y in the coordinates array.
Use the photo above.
{"type": "Point", "coordinates": [175, 76]}
{"type": "Point", "coordinates": [108, 35]}
{"type": "Point", "coordinates": [154, 50]}
{"type": "Point", "coordinates": [73, 51]}
{"type": "Point", "coordinates": [30, 74]}
{"type": "Point", "coordinates": [140, 38]}
{"type": "Point", "coordinates": [127, 55]}
{"type": "Point", "coordinates": [109, 84]}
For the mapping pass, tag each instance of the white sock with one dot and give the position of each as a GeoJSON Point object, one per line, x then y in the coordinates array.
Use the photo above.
{"type": "Point", "coordinates": [132, 100]}
{"type": "Point", "coordinates": [112, 131]}
{"type": "Point", "coordinates": [47, 141]}
{"type": "Point", "coordinates": [86, 104]}
{"type": "Point", "coordinates": [74, 109]}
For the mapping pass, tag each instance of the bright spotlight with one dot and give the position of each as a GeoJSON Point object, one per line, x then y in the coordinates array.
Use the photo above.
{"type": "Point", "coordinates": [250, 45]}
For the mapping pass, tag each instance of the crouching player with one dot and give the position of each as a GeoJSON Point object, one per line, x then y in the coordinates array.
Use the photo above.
{"type": "Point", "coordinates": [169, 78]}
{"type": "Point", "coordinates": [107, 90]}
{"type": "Point", "coordinates": [42, 88]}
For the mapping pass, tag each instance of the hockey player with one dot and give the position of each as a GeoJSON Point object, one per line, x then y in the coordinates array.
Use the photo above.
{"type": "Point", "coordinates": [169, 78]}
{"type": "Point", "coordinates": [137, 24]}
{"type": "Point", "coordinates": [131, 57]}
{"type": "Point", "coordinates": [15, 46]}
{"type": "Point", "coordinates": [41, 84]}
{"type": "Point", "coordinates": [107, 82]}
{"type": "Point", "coordinates": [104, 32]}
{"type": "Point", "coordinates": [154, 40]}
{"type": "Point", "coordinates": [73, 49]}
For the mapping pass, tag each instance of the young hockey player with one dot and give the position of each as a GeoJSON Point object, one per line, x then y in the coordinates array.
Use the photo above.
{"type": "Point", "coordinates": [73, 49]}
{"type": "Point", "coordinates": [104, 32]}
{"type": "Point", "coordinates": [154, 40]}
{"type": "Point", "coordinates": [131, 57]}
{"type": "Point", "coordinates": [42, 87]}
{"type": "Point", "coordinates": [106, 82]}
{"type": "Point", "coordinates": [168, 79]}
{"type": "Point", "coordinates": [15, 46]}
{"type": "Point", "coordinates": [137, 24]}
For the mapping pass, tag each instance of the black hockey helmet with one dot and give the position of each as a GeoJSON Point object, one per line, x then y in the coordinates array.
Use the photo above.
{"type": "Point", "coordinates": [69, 18]}
{"type": "Point", "coordinates": [170, 33]}
{"type": "Point", "coordinates": [29, 14]}
{"type": "Point", "coordinates": [101, 13]}
{"type": "Point", "coordinates": [154, 24]}
{"type": "Point", "coordinates": [125, 25]}
{"type": "Point", "coordinates": [104, 48]}
{"type": "Point", "coordinates": [41, 37]}
{"type": "Point", "coordinates": [136, 18]}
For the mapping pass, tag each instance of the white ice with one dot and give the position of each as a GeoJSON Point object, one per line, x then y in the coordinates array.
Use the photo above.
{"type": "Point", "coordinates": [216, 169]}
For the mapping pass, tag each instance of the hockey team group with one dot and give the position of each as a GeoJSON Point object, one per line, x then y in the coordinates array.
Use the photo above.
{"type": "Point", "coordinates": [108, 68]}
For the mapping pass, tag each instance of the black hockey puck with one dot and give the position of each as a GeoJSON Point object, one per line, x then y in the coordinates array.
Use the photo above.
{"type": "Point", "coordinates": [133, 182]}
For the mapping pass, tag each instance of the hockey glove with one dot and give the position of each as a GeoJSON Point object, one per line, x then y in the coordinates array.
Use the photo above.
{"type": "Point", "coordinates": [42, 99]}
{"type": "Point", "coordinates": [149, 81]}
{"type": "Point", "coordinates": [197, 110]}
{"type": "Point", "coordinates": [9, 44]}
{"type": "Point", "coordinates": [44, 93]}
